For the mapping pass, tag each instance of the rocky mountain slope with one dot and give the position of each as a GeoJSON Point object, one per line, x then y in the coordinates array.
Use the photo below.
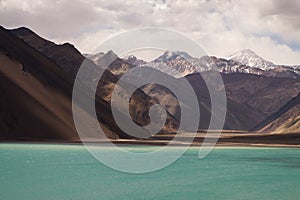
{"type": "Point", "coordinates": [285, 120]}
{"type": "Point", "coordinates": [36, 94]}
{"type": "Point", "coordinates": [250, 58]}
{"type": "Point", "coordinates": [64, 55]}
{"type": "Point", "coordinates": [251, 98]}
{"type": "Point", "coordinates": [31, 63]}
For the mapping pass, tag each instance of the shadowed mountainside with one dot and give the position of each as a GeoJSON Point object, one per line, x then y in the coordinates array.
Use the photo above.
{"type": "Point", "coordinates": [37, 93]}
{"type": "Point", "coordinates": [35, 101]}
{"type": "Point", "coordinates": [250, 98]}
{"type": "Point", "coordinates": [285, 120]}
{"type": "Point", "coordinates": [36, 96]}
{"type": "Point", "coordinates": [70, 60]}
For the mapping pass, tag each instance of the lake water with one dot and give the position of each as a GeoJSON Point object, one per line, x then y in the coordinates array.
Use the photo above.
{"type": "Point", "coordinates": [58, 172]}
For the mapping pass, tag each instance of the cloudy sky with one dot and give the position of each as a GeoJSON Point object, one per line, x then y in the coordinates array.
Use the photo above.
{"type": "Point", "coordinates": [271, 28]}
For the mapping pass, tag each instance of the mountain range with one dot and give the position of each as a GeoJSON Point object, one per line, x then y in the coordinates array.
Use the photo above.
{"type": "Point", "coordinates": [37, 77]}
{"type": "Point", "coordinates": [252, 97]}
{"type": "Point", "coordinates": [180, 64]}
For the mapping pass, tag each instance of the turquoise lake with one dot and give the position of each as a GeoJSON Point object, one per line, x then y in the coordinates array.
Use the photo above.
{"type": "Point", "coordinates": [58, 172]}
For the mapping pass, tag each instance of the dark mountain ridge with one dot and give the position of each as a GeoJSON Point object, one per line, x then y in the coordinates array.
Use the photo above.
{"type": "Point", "coordinates": [37, 96]}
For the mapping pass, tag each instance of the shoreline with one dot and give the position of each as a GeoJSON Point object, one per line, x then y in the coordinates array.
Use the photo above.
{"type": "Point", "coordinates": [291, 140]}
{"type": "Point", "coordinates": [154, 143]}
{"type": "Point", "coordinates": [232, 145]}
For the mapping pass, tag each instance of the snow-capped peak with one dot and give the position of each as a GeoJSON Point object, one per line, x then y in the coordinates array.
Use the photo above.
{"type": "Point", "coordinates": [129, 57]}
{"type": "Point", "coordinates": [179, 64]}
{"type": "Point", "coordinates": [101, 58]}
{"type": "Point", "coordinates": [171, 55]}
{"type": "Point", "coordinates": [134, 60]}
{"type": "Point", "coordinates": [251, 59]}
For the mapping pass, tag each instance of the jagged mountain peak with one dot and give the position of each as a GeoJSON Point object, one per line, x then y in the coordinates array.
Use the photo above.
{"type": "Point", "coordinates": [102, 59]}
{"type": "Point", "coordinates": [132, 59]}
{"type": "Point", "coordinates": [171, 55]}
{"type": "Point", "coordinates": [244, 52]}
{"type": "Point", "coordinates": [249, 58]}
{"type": "Point", "coordinates": [95, 57]}
{"type": "Point", "coordinates": [109, 56]}
{"type": "Point", "coordinates": [248, 51]}
{"type": "Point", "coordinates": [111, 53]}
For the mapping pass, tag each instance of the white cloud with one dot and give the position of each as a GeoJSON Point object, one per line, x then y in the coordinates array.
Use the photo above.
{"type": "Point", "coordinates": [271, 28]}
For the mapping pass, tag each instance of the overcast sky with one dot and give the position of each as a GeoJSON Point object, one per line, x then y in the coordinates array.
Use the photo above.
{"type": "Point", "coordinates": [270, 28]}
